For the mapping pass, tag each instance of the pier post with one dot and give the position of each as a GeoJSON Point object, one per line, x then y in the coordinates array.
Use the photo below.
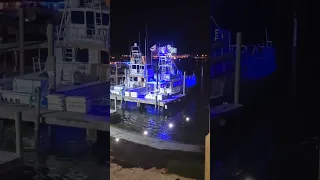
{"type": "Point", "coordinates": [116, 74]}
{"type": "Point", "coordinates": [237, 69]}
{"type": "Point", "coordinates": [51, 58]}
{"type": "Point", "coordinates": [184, 82]}
{"type": "Point", "coordinates": [156, 104]}
{"type": "Point", "coordinates": [37, 124]}
{"type": "Point", "coordinates": [201, 78]}
{"type": "Point", "coordinates": [21, 39]}
{"type": "Point", "coordinates": [19, 145]}
{"type": "Point", "coordinates": [125, 77]}
{"type": "Point", "coordinates": [207, 157]}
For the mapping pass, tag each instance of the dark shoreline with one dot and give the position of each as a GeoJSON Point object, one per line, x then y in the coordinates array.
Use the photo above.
{"type": "Point", "coordinates": [129, 155]}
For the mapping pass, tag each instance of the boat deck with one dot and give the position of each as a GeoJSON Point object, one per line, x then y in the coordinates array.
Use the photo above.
{"type": "Point", "coordinates": [62, 118]}
{"type": "Point", "coordinates": [161, 103]}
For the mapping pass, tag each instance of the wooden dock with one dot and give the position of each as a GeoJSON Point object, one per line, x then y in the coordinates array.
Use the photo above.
{"type": "Point", "coordinates": [223, 108]}
{"type": "Point", "coordinates": [80, 120]}
{"type": "Point", "coordinates": [153, 142]}
{"type": "Point", "coordinates": [9, 162]}
{"type": "Point", "coordinates": [62, 118]}
{"type": "Point", "coordinates": [161, 103]}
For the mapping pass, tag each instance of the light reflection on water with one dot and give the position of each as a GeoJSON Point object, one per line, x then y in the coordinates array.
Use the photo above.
{"type": "Point", "coordinates": [157, 125]}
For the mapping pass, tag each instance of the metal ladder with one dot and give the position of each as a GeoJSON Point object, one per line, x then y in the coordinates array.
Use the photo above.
{"type": "Point", "coordinates": [218, 85]}
{"type": "Point", "coordinates": [162, 62]}
{"type": "Point", "coordinates": [36, 64]}
{"type": "Point", "coordinates": [218, 35]}
{"type": "Point", "coordinates": [68, 54]}
{"type": "Point", "coordinates": [64, 21]}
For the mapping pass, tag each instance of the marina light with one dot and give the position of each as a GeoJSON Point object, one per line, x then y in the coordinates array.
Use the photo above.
{"type": "Point", "coordinates": [117, 139]}
{"type": "Point", "coordinates": [145, 133]}
{"type": "Point", "coordinates": [170, 125]}
{"type": "Point", "coordinates": [187, 119]}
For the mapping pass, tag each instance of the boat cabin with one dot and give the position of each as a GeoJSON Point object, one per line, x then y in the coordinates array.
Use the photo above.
{"type": "Point", "coordinates": [139, 74]}
{"type": "Point", "coordinates": [171, 87]}
{"type": "Point", "coordinates": [82, 47]}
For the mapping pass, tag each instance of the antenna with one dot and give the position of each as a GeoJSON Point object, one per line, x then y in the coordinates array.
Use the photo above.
{"type": "Point", "coordinates": [129, 47]}
{"type": "Point", "coordinates": [139, 39]}
{"type": "Point", "coordinates": [146, 45]}
{"type": "Point", "coordinates": [145, 49]}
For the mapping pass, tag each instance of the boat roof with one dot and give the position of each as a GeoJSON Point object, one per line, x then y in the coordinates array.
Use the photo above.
{"type": "Point", "coordinates": [15, 46]}
{"type": "Point", "coordinates": [31, 76]}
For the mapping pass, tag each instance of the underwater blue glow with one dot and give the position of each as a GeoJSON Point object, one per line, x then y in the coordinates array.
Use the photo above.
{"type": "Point", "coordinates": [191, 81]}
{"type": "Point", "coordinates": [164, 136]}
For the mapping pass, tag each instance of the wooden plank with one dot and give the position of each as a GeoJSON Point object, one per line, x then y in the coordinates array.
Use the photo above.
{"type": "Point", "coordinates": [62, 118]}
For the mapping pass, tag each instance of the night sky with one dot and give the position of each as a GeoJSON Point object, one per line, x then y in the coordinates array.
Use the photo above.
{"type": "Point", "coordinates": [186, 24]}
{"type": "Point", "coordinates": [250, 17]}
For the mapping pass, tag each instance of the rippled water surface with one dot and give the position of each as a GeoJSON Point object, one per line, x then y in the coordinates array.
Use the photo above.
{"type": "Point", "coordinates": [192, 107]}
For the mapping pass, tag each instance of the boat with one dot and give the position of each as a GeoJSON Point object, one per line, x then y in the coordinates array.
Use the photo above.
{"type": "Point", "coordinates": [153, 81]}
{"type": "Point", "coordinates": [257, 62]}
{"type": "Point", "coordinates": [77, 61]}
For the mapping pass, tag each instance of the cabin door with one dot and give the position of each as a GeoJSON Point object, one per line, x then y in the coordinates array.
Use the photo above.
{"type": "Point", "coordinates": [90, 24]}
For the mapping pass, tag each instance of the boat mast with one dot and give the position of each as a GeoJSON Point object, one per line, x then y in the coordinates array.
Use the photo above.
{"type": "Point", "coordinates": [129, 48]}
{"type": "Point", "coordinates": [146, 46]}
{"type": "Point", "coordinates": [139, 40]}
{"type": "Point", "coordinates": [145, 50]}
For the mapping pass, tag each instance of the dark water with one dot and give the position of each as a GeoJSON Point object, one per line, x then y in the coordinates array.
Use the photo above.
{"type": "Point", "coordinates": [247, 142]}
{"type": "Point", "coordinates": [192, 107]}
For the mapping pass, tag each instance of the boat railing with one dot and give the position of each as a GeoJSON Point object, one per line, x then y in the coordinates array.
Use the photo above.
{"type": "Point", "coordinates": [244, 48]}
{"type": "Point", "coordinates": [85, 34]}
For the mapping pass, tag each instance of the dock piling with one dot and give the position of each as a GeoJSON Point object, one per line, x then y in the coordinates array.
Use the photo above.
{"type": "Point", "coordinates": [156, 104]}
{"type": "Point", "coordinates": [202, 78]}
{"type": "Point", "coordinates": [237, 69]}
{"type": "Point", "coordinates": [21, 39]}
{"type": "Point", "coordinates": [51, 57]}
{"type": "Point", "coordinates": [19, 145]}
{"type": "Point", "coordinates": [37, 124]}
{"type": "Point", "coordinates": [116, 73]}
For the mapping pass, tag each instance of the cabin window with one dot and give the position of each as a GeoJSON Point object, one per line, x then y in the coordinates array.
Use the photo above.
{"type": "Point", "coordinates": [104, 57]}
{"type": "Point", "coordinates": [131, 79]}
{"type": "Point", "coordinates": [142, 79]}
{"type": "Point", "coordinates": [89, 18]}
{"type": "Point", "coordinates": [141, 67]}
{"type": "Point", "coordinates": [77, 17]}
{"type": "Point", "coordinates": [168, 85]}
{"type": "Point", "coordinates": [105, 19]}
{"type": "Point", "coordinates": [135, 79]}
{"type": "Point", "coordinates": [134, 66]}
{"type": "Point", "coordinates": [82, 55]}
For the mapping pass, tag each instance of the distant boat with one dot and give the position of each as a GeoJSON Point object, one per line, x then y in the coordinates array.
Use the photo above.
{"type": "Point", "coordinates": [257, 62]}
